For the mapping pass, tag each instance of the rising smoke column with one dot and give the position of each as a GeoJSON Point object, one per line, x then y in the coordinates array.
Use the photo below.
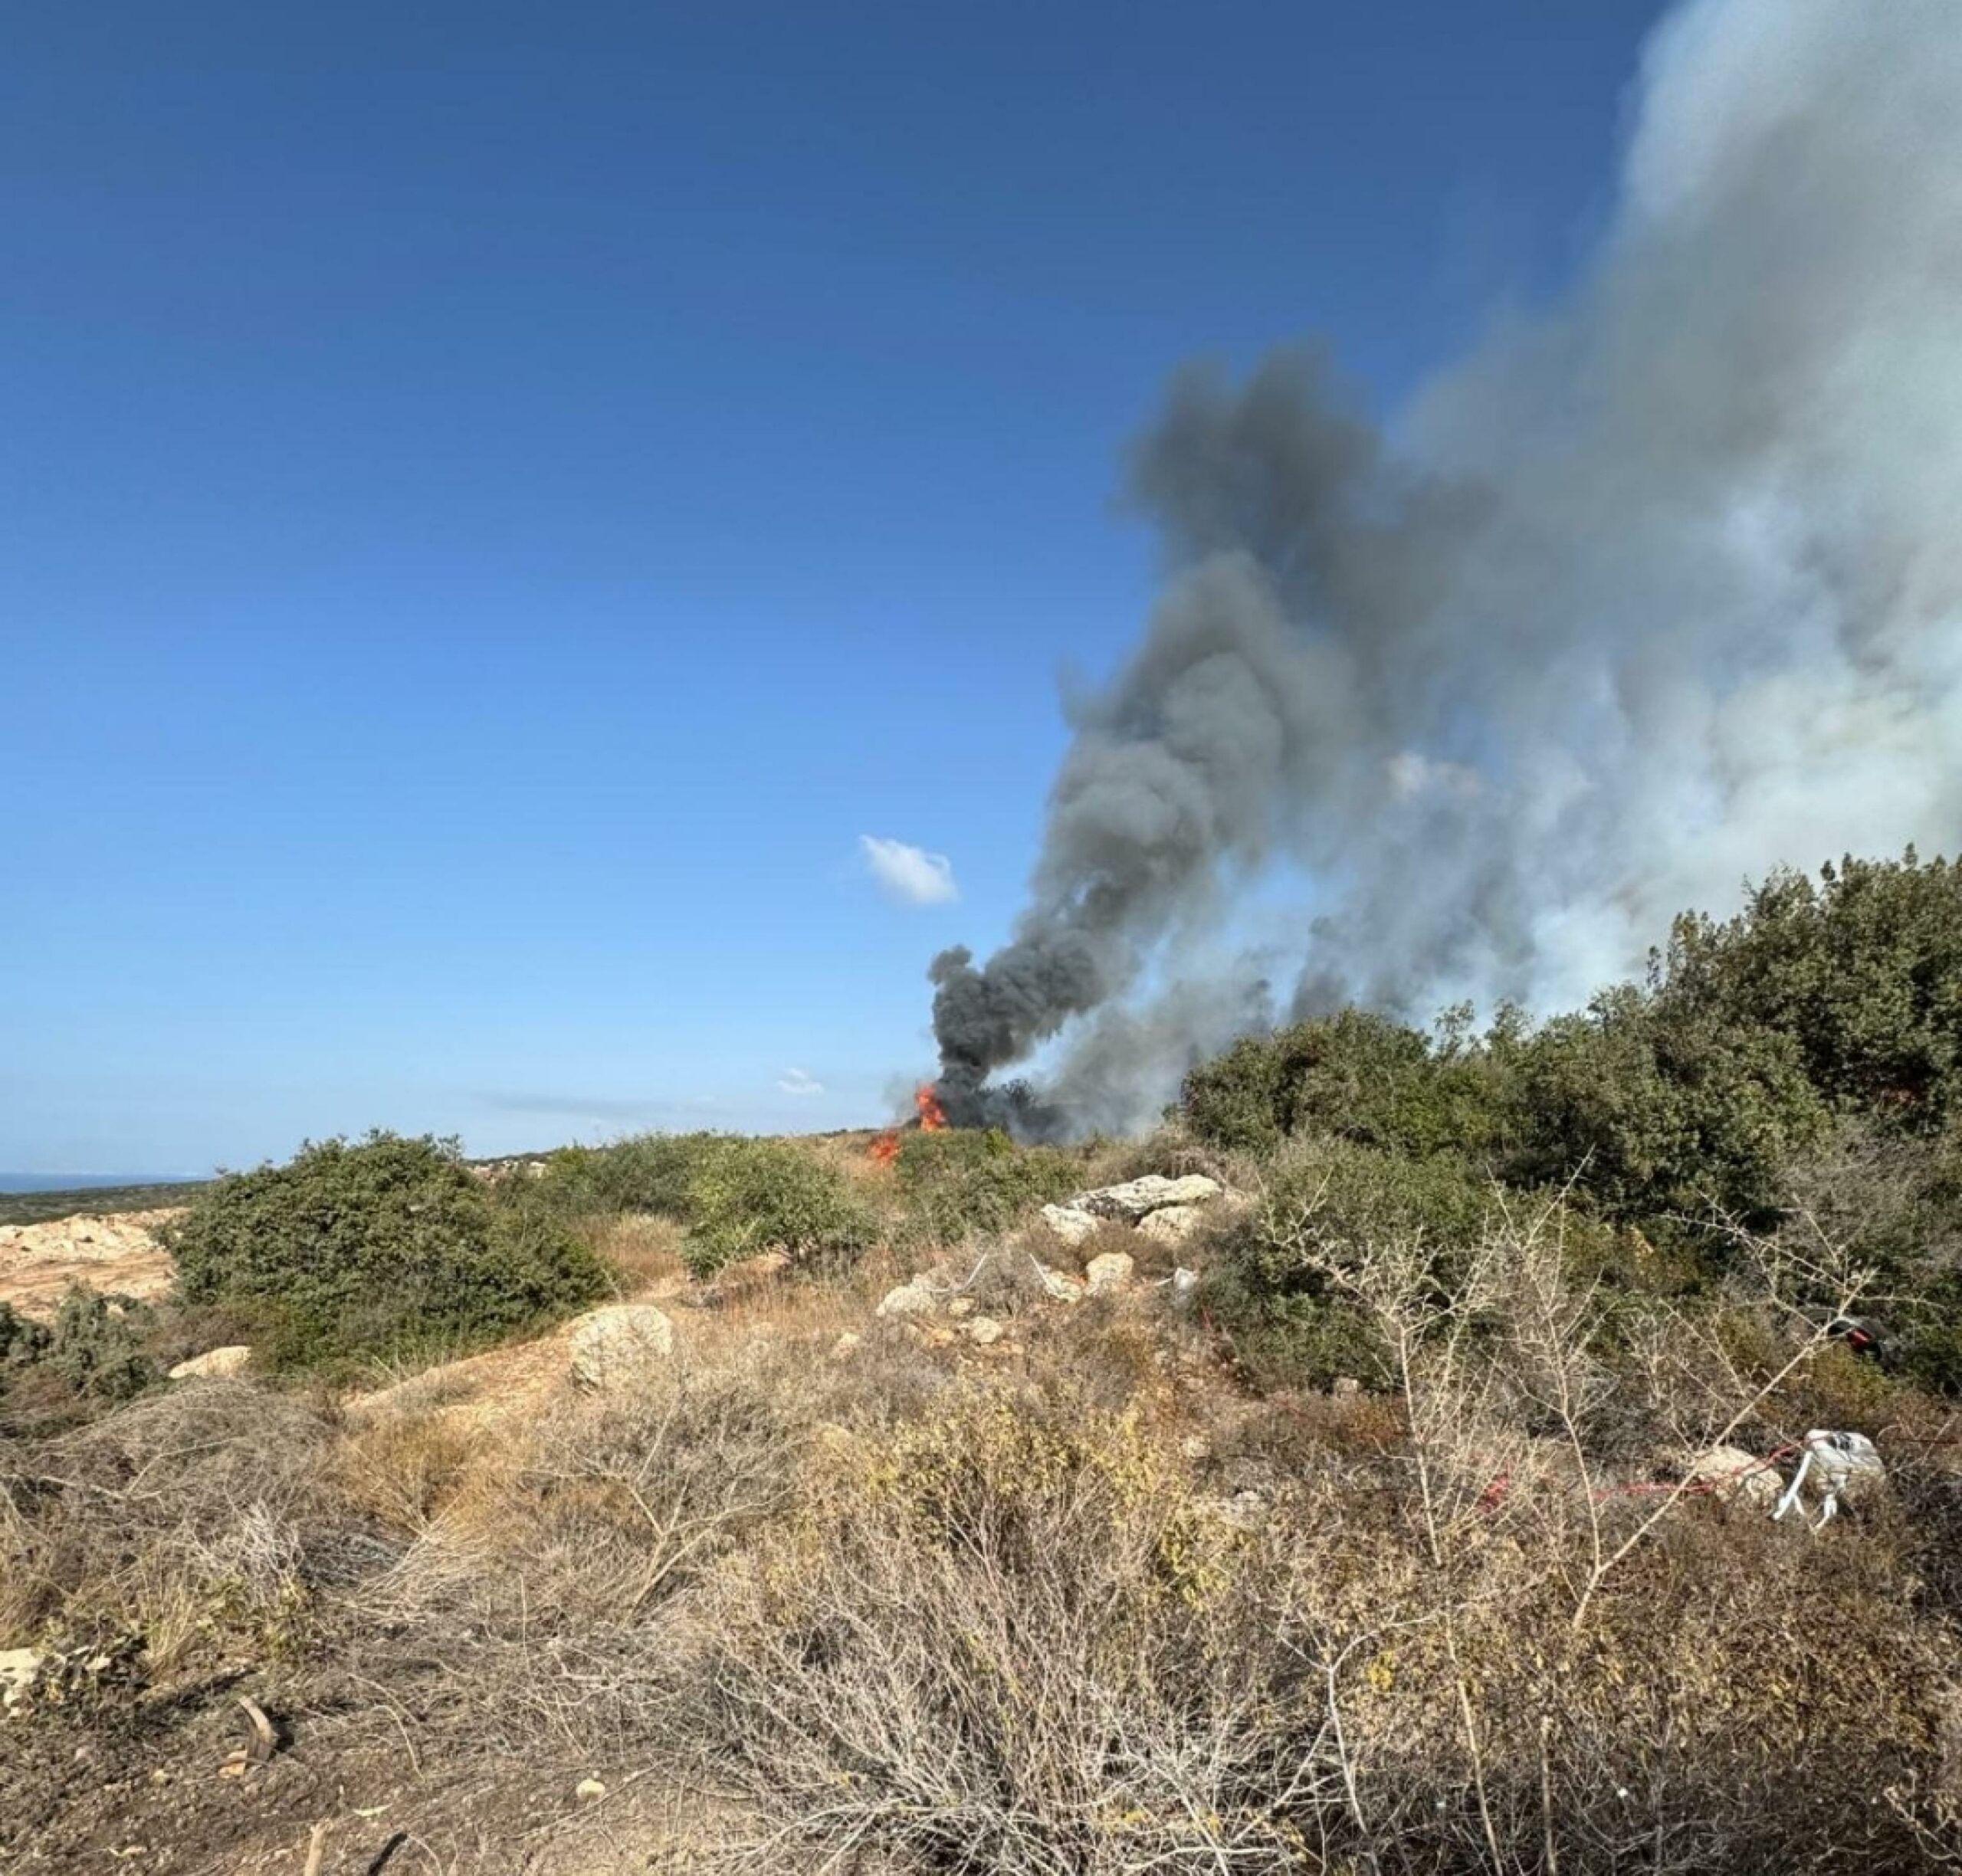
{"type": "Point", "coordinates": [1652, 591]}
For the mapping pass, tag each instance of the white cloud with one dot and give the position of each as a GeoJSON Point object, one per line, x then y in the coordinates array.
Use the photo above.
{"type": "Point", "coordinates": [795, 1082]}
{"type": "Point", "coordinates": [909, 872]}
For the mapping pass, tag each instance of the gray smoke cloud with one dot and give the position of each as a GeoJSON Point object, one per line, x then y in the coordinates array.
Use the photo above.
{"type": "Point", "coordinates": [1658, 589]}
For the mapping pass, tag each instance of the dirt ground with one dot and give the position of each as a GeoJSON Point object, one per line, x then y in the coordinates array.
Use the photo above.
{"type": "Point", "coordinates": [151, 1790]}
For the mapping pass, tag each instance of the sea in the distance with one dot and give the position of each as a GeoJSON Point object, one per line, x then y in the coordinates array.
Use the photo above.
{"type": "Point", "coordinates": [84, 1181]}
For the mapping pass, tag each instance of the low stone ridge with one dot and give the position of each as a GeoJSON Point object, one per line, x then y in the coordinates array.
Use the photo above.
{"type": "Point", "coordinates": [1138, 1198]}
{"type": "Point", "coordinates": [1166, 1209]}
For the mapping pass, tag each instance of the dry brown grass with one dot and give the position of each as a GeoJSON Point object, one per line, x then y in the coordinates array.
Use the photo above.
{"type": "Point", "coordinates": [643, 1252]}
{"type": "Point", "coordinates": [1074, 1605]}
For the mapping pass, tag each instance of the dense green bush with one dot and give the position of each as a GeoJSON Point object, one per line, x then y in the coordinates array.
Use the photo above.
{"type": "Point", "coordinates": [95, 1353]}
{"type": "Point", "coordinates": [1894, 1199]}
{"type": "Point", "coordinates": [22, 1339]}
{"type": "Point", "coordinates": [964, 1182]}
{"type": "Point", "coordinates": [1717, 1093]}
{"type": "Point", "coordinates": [1355, 1074]}
{"type": "Point", "coordinates": [750, 1195]}
{"type": "Point", "coordinates": [1654, 1110]}
{"type": "Point", "coordinates": [376, 1249]}
{"type": "Point", "coordinates": [652, 1172]}
{"type": "Point", "coordinates": [95, 1344]}
{"type": "Point", "coordinates": [1329, 1195]}
{"type": "Point", "coordinates": [738, 1196]}
{"type": "Point", "coordinates": [1860, 973]}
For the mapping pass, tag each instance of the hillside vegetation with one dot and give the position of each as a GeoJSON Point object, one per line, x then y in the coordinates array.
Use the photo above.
{"type": "Point", "coordinates": [1389, 1545]}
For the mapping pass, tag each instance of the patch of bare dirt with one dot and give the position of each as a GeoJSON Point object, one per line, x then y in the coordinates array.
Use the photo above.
{"type": "Point", "coordinates": [117, 1253]}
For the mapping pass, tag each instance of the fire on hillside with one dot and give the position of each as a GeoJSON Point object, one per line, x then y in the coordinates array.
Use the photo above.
{"type": "Point", "coordinates": [928, 1118]}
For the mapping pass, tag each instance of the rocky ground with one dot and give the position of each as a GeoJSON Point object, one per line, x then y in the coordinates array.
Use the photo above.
{"type": "Point", "coordinates": [119, 1254]}
{"type": "Point", "coordinates": [529, 1611]}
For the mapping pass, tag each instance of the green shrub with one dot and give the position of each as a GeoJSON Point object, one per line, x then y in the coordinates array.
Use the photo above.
{"type": "Point", "coordinates": [95, 1344]}
{"type": "Point", "coordinates": [1327, 1199]}
{"type": "Point", "coordinates": [1357, 1075]}
{"type": "Point", "coordinates": [1334, 1196]}
{"type": "Point", "coordinates": [738, 1196]}
{"type": "Point", "coordinates": [1861, 973]}
{"type": "Point", "coordinates": [377, 1248]}
{"type": "Point", "coordinates": [1894, 1199]}
{"type": "Point", "coordinates": [22, 1339]}
{"type": "Point", "coordinates": [745, 1196]}
{"type": "Point", "coordinates": [1292, 1340]}
{"type": "Point", "coordinates": [1654, 1110]}
{"type": "Point", "coordinates": [652, 1172]}
{"type": "Point", "coordinates": [963, 1181]}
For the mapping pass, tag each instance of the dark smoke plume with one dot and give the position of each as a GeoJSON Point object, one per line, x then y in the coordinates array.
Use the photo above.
{"type": "Point", "coordinates": [1653, 591]}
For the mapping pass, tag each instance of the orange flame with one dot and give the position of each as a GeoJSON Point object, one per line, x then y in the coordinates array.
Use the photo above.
{"type": "Point", "coordinates": [933, 1119]}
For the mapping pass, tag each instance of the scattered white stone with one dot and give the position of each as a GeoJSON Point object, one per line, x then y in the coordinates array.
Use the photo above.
{"type": "Point", "coordinates": [1345, 1387]}
{"type": "Point", "coordinates": [1069, 1223]}
{"type": "Point", "coordinates": [20, 1668]}
{"type": "Point", "coordinates": [1139, 1198]}
{"type": "Point", "coordinates": [915, 1297]}
{"type": "Point", "coordinates": [1111, 1270]}
{"type": "Point", "coordinates": [1196, 1446]}
{"type": "Point", "coordinates": [588, 1788]}
{"type": "Point", "coordinates": [961, 1306]}
{"type": "Point", "coordinates": [1059, 1286]}
{"type": "Point", "coordinates": [847, 1345]}
{"type": "Point", "coordinates": [1732, 1473]}
{"type": "Point", "coordinates": [618, 1346]}
{"type": "Point", "coordinates": [985, 1330]}
{"type": "Point", "coordinates": [1185, 1289]}
{"type": "Point", "coordinates": [1172, 1225]}
{"type": "Point", "coordinates": [214, 1364]}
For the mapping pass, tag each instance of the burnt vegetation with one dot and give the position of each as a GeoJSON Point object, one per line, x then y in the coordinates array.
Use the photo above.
{"type": "Point", "coordinates": [1385, 1555]}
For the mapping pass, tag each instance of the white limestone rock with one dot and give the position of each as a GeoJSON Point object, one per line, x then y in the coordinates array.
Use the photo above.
{"type": "Point", "coordinates": [620, 1346]}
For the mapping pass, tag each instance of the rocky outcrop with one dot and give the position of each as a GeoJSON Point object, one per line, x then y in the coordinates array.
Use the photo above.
{"type": "Point", "coordinates": [1172, 1224]}
{"type": "Point", "coordinates": [620, 1346]}
{"type": "Point", "coordinates": [1169, 1210]}
{"type": "Point", "coordinates": [1069, 1223]}
{"type": "Point", "coordinates": [916, 1296]}
{"type": "Point", "coordinates": [1111, 1270]}
{"type": "Point", "coordinates": [1137, 1199]}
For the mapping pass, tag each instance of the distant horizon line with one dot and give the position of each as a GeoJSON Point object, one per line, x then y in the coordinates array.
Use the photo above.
{"type": "Point", "coordinates": [11, 1182]}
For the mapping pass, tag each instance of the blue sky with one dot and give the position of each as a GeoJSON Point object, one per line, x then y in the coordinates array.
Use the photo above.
{"type": "Point", "coordinates": [497, 502]}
